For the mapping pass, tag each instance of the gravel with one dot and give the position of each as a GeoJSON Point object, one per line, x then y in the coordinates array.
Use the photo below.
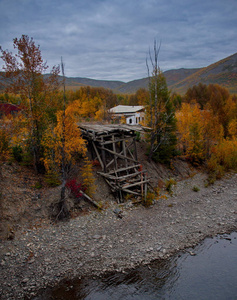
{"type": "Point", "coordinates": [106, 241]}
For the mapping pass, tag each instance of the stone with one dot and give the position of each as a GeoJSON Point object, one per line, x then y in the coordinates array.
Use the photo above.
{"type": "Point", "coordinates": [96, 237]}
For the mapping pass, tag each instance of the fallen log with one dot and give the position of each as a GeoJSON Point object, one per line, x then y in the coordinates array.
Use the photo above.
{"type": "Point", "coordinates": [87, 198]}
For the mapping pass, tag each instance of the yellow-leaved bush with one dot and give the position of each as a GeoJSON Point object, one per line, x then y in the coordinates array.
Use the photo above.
{"type": "Point", "coordinates": [88, 178]}
{"type": "Point", "coordinates": [224, 154]}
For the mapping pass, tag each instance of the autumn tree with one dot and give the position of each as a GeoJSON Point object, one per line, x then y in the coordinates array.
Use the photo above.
{"type": "Point", "coordinates": [139, 98]}
{"type": "Point", "coordinates": [199, 93]}
{"type": "Point", "coordinates": [198, 131]}
{"type": "Point", "coordinates": [160, 113]}
{"type": "Point", "coordinates": [25, 71]}
{"type": "Point", "coordinates": [61, 144]}
{"type": "Point", "coordinates": [216, 99]}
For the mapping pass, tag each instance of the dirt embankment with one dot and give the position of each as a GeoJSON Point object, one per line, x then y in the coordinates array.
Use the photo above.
{"type": "Point", "coordinates": [25, 198]}
{"type": "Point", "coordinates": [97, 242]}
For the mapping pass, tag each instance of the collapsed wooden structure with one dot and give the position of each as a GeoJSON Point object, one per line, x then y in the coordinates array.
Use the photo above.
{"type": "Point", "coordinates": [114, 146]}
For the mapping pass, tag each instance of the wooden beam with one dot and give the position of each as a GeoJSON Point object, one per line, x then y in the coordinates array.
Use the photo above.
{"type": "Point", "coordinates": [103, 157]}
{"type": "Point", "coordinates": [124, 169]}
{"type": "Point", "coordinates": [131, 192]}
{"type": "Point", "coordinates": [134, 184]}
{"type": "Point", "coordinates": [135, 148]}
{"type": "Point", "coordinates": [124, 152]}
{"type": "Point", "coordinates": [98, 155]}
{"type": "Point", "coordinates": [120, 178]}
{"type": "Point", "coordinates": [119, 155]}
{"type": "Point", "coordinates": [87, 198]}
{"type": "Point", "coordinates": [114, 149]}
{"type": "Point", "coordinates": [114, 141]}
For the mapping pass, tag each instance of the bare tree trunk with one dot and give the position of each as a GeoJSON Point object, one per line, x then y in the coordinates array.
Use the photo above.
{"type": "Point", "coordinates": [62, 208]}
{"type": "Point", "coordinates": [154, 111]}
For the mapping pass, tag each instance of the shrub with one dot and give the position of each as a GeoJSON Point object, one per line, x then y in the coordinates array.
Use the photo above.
{"type": "Point", "coordinates": [75, 188]}
{"type": "Point", "coordinates": [223, 158]}
{"type": "Point", "coordinates": [148, 201]}
{"type": "Point", "coordinates": [4, 144]}
{"type": "Point", "coordinates": [37, 185]}
{"type": "Point", "coordinates": [196, 189]}
{"type": "Point", "coordinates": [224, 154]}
{"type": "Point", "coordinates": [138, 136]}
{"type": "Point", "coordinates": [169, 185]}
{"type": "Point", "coordinates": [17, 153]}
{"type": "Point", "coordinates": [88, 178]}
{"type": "Point", "coordinates": [52, 179]}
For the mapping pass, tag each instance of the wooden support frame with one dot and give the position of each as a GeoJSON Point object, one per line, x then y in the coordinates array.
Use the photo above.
{"type": "Point", "coordinates": [115, 149]}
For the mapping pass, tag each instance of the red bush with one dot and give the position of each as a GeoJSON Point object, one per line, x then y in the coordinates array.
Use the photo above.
{"type": "Point", "coordinates": [75, 188]}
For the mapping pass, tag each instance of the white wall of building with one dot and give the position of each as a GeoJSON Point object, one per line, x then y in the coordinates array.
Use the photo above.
{"type": "Point", "coordinates": [135, 119]}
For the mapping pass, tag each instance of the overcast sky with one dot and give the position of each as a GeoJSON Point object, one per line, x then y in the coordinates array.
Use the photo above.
{"type": "Point", "coordinates": [110, 39]}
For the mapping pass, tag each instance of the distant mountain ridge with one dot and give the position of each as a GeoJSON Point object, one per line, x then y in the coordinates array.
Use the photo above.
{"type": "Point", "coordinates": [223, 72]}
{"type": "Point", "coordinates": [172, 76]}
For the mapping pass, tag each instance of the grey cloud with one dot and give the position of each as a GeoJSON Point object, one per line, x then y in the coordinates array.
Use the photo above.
{"type": "Point", "coordinates": [109, 39]}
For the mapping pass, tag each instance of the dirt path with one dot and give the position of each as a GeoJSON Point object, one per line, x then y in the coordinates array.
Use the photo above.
{"type": "Point", "coordinates": [101, 241]}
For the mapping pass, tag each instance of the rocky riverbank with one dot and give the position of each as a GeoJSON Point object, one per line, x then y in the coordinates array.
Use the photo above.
{"type": "Point", "coordinates": [103, 241]}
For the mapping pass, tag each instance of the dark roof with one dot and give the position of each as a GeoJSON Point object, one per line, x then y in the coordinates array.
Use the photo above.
{"type": "Point", "coordinates": [8, 108]}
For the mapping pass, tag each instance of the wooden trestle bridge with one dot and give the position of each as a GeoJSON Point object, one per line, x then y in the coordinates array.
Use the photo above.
{"type": "Point", "coordinates": [114, 146]}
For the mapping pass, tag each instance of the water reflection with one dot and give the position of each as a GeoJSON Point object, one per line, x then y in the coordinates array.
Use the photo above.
{"type": "Point", "coordinates": [210, 274]}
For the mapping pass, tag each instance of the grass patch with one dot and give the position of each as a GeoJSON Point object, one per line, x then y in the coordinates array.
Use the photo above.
{"type": "Point", "coordinates": [195, 188]}
{"type": "Point", "coordinates": [169, 184]}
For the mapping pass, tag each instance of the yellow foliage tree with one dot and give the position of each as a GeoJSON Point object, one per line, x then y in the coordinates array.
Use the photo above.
{"type": "Point", "coordinates": [74, 143]}
{"type": "Point", "coordinates": [87, 175]}
{"type": "Point", "coordinates": [198, 131]}
{"type": "Point", "coordinates": [232, 129]}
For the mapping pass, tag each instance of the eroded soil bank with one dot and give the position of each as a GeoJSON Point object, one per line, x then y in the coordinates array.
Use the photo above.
{"type": "Point", "coordinates": [100, 241]}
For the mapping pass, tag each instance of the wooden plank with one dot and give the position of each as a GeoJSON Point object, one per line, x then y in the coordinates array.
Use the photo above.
{"type": "Point", "coordinates": [87, 198]}
{"type": "Point", "coordinates": [124, 169]}
{"type": "Point", "coordinates": [131, 192]}
{"type": "Point", "coordinates": [112, 161]}
{"type": "Point", "coordinates": [119, 155]}
{"type": "Point", "coordinates": [115, 140]}
{"type": "Point", "coordinates": [135, 148]}
{"type": "Point", "coordinates": [120, 178]}
{"type": "Point", "coordinates": [134, 184]}
{"type": "Point", "coordinates": [98, 155]}
{"type": "Point", "coordinates": [131, 154]}
{"type": "Point", "coordinates": [103, 158]}
{"type": "Point", "coordinates": [124, 152]}
{"type": "Point", "coordinates": [115, 157]}
{"type": "Point", "coordinates": [113, 188]}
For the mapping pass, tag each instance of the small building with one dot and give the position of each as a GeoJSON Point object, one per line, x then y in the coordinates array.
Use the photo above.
{"type": "Point", "coordinates": [134, 115]}
{"type": "Point", "coordinates": [8, 108]}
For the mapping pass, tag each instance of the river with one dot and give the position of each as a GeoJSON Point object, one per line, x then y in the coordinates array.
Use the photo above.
{"type": "Point", "coordinates": [208, 271]}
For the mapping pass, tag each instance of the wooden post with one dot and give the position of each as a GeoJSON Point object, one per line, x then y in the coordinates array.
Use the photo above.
{"type": "Point", "coordinates": [135, 147]}
{"type": "Point", "coordinates": [124, 152]}
{"type": "Point", "coordinates": [103, 155]}
{"type": "Point", "coordinates": [145, 187]}
{"type": "Point", "coordinates": [114, 149]}
{"type": "Point", "coordinates": [98, 155]}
